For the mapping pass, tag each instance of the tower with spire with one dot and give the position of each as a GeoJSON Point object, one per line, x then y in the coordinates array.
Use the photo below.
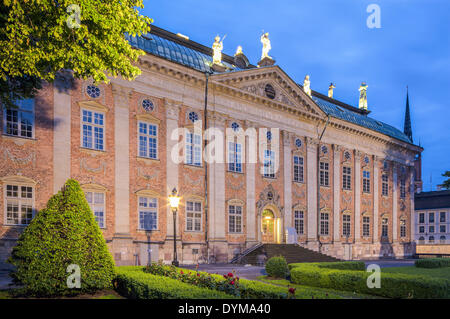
{"type": "Point", "coordinates": [407, 128]}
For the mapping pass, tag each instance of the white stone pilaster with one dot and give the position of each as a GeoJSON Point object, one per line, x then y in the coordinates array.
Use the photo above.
{"type": "Point", "coordinates": [287, 167]}
{"type": "Point", "coordinates": [336, 192]}
{"type": "Point", "coordinates": [61, 133]}
{"type": "Point", "coordinates": [122, 158]}
{"type": "Point", "coordinates": [395, 203]}
{"type": "Point", "coordinates": [376, 203]}
{"type": "Point", "coordinates": [250, 171]}
{"type": "Point", "coordinates": [357, 195]}
{"type": "Point", "coordinates": [412, 213]}
{"type": "Point", "coordinates": [311, 158]}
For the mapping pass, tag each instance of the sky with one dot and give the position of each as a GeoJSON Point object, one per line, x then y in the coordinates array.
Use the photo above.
{"type": "Point", "coordinates": [330, 41]}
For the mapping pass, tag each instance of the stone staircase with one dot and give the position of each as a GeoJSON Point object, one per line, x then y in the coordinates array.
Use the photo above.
{"type": "Point", "coordinates": [293, 254]}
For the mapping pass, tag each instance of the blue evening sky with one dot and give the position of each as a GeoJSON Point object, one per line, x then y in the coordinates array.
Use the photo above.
{"type": "Point", "coordinates": [329, 40]}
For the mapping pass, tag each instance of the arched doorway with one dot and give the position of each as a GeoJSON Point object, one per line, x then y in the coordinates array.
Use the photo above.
{"type": "Point", "coordinates": [269, 227]}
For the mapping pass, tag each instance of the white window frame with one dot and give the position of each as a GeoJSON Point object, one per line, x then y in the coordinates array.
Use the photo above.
{"type": "Point", "coordinates": [298, 168]}
{"type": "Point", "coordinates": [346, 225]}
{"type": "Point", "coordinates": [299, 221]}
{"type": "Point", "coordinates": [402, 188]}
{"type": "Point", "coordinates": [366, 226]}
{"type": "Point", "coordinates": [385, 226]}
{"type": "Point", "coordinates": [269, 164]}
{"type": "Point", "coordinates": [324, 224]}
{"type": "Point", "coordinates": [235, 157]}
{"type": "Point", "coordinates": [193, 147]}
{"type": "Point", "coordinates": [235, 216]}
{"type": "Point", "coordinates": [95, 207]}
{"type": "Point", "coordinates": [385, 185]}
{"type": "Point", "coordinates": [194, 212]}
{"type": "Point", "coordinates": [148, 210]}
{"type": "Point", "coordinates": [403, 229]}
{"type": "Point", "coordinates": [20, 110]}
{"type": "Point", "coordinates": [147, 136]}
{"type": "Point", "coordinates": [93, 126]}
{"type": "Point", "coordinates": [366, 181]}
{"type": "Point", "coordinates": [346, 178]}
{"type": "Point", "coordinates": [324, 174]}
{"type": "Point", "coordinates": [20, 201]}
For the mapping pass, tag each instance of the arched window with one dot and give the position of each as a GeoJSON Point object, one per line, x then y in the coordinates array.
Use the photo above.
{"type": "Point", "coordinates": [442, 239]}
{"type": "Point", "coordinates": [431, 239]}
{"type": "Point", "coordinates": [421, 240]}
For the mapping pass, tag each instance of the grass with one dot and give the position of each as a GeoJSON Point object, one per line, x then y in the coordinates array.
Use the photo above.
{"type": "Point", "coordinates": [437, 273]}
{"type": "Point", "coordinates": [330, 293]}
{"type": "Point", "coordinates": [4, 294]}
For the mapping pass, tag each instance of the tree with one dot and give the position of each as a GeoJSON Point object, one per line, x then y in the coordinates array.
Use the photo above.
{"type": "Point", "coordinates": [62, 237]}
{"type": "Point", "coordinates": [41, 37]}
{"type": "Point", "coordinates": [446, 183]}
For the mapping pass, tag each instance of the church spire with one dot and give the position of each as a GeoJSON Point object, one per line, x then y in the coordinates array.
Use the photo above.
{"type": "Point", "coordinates": [407, 128]}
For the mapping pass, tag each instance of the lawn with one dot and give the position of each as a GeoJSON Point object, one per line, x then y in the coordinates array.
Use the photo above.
{"type": "Point", "coordinates": [438, 273]}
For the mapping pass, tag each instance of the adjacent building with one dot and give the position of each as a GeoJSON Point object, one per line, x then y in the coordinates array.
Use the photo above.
{"type": "Point", "coordinates": [351, 189]}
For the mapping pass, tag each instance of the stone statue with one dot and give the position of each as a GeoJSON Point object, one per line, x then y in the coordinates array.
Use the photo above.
{"type": "Point", "coordinates": [363, 96]}
{"type": "Point", "coordinates": [307, 85]}
{"type": "Point", "coordinates": [330, 90]}
{"type": "Point", "coordinates": [239, 50]}
{"type": "Point", "coordinates": [217, 50]}
{"type": "Point", "coordinates": [266, 46]}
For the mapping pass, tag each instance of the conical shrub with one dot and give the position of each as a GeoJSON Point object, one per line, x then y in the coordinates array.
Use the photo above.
{"type": "Point", "coordinates": [62, 234]}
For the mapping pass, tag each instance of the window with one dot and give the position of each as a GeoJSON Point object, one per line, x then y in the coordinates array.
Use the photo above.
{"type": "Point", "coordinates": [193, 216]}
{"type": "Point", "coordinates": [148, 140]}
{"type": "Point", "coordinates": [402, 228]}
{"type": "Point", "coordinates": [431, 229]}
{"type": "Point", "coordinates": [366, 226]}
{"type": "Point", "coordinates": [299, 222]}
{"type": "Point", "coordinates": [421, 229]}
{"type": "Point", "coordinates": [402, 188]}
{"type": "Point", "coordinates": [235, 219]}
{"type": "Point", "coordinates": [442, 239]}
{"type": "Point", "coordinates": [93, 128]}
{"type": "Point", "coordinates": [269, 163]}
{"type": "Point", "coordinates": [298, 169]}
{"type": "Point", "coordinates": [193, 117]}
{"type": "Point", "coordinates": [97, 204]}
{"type": "Point", "coordinates": [384, 227]}
{"type": "Point", "coordinates": [431, 239]}
{"type": "Point", "coordinates": [324, 222]}
{"type": "Point", "coordinates": [442, 217]}
{"type": "Point", "coordinates": [442, 229]}
{"type": "Point", "coordinates": [148, 213]}
{"type": "Point", "coordinates": [234, 157]}
{"type": "Point", "coordinates": [193, 149]}
{"type": "Point", "coordinates": [324, 179]}
{"type": "Point", "coordinates": [431, 217]}
{"type": "Point", "coordinates": [421, 218]}
{"type": "Point", "coordinates": [93, 91]}
{"type": "Point", "coordinates": [346, 224]}
{"type": "Point", "coordinates": [366, 181]}
{"type": "Point", "coordinates": [347, 177]}
{"type": "Point", "coordinates": [421, 239]}
{"type": "Point", "coordinates": [20, 121]}
{"type": "Point", "coordinates": [19, 204]}
{"type": "Point", "coordinates": [385, 185]}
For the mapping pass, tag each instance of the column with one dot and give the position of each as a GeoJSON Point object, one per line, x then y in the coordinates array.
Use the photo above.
{"type": "Point", "coordinates": [172, 113]}
{"type": "Point", "coordinates": [376, 179]}
{"type": "Point", "coordinates": [287, 169]}
{"type": "Point", "coordinates": [358, 155]}
{"type": "Point", "coordinates": [336, 191]}
{"type": "Point", "coordinates": [395, 202]}
{"type": "Point", "coordinates": [122, 158]}
{"type": "Point", "coordinates": [61, 130]}
{"type": "Point", "coordinates": [412, 211]}
{"type": "Point", "coordinates": [250, 171]}
{"type": "Point", "coordinates": [311, 179]}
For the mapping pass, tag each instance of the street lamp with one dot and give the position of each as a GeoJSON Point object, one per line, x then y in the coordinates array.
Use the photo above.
{"type": "Point", "coordinates": [174, 201]}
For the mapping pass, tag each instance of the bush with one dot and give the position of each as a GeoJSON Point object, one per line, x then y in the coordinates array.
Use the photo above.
{"type": "Point", "coordinates": [277, 267]}
{"type": "Point", "coordinates": [433, 263]}
{"type": "Point", "coordinates": [392, 285]}
{"type": "Point", "coordinates": [63, 233]}
{"type": "Point", "coordinates": [348, 265]}
{"type": "Point", "coordinates": [133, 282]}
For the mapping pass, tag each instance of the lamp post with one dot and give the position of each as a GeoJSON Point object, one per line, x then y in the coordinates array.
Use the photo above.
{"type": "Point", "coordinates": [174, 201]}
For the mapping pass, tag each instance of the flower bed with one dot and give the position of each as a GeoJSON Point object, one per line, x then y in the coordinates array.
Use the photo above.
{"type": "Point", "coordinates": [350, 278]}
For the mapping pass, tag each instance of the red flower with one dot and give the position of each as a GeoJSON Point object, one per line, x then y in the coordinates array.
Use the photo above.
{"type": "Point", "coordinates": [198, 275]}
{"type": "Point", "coordinates": [225, 276]}
{"type": "Point", "coordinates": [232, 282]}
{"type": "Point", "coordinates": [181, 272]}
{"type": "Point", "coordinates": [292, 290]}
{"type": "Point", "coordinates": [230, 275]}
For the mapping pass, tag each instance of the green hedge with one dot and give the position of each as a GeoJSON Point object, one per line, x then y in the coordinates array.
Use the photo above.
{"type": "Point", "coordinates": [343, 265]}
{"type": "Point", "coordinates": [433, 263]}
{"type": "Point", "coordinates": [133, 282]}
{"type": "Point", "coordinates": [277, 267]}
{"type": "Point", "coordinates": [392, 285]}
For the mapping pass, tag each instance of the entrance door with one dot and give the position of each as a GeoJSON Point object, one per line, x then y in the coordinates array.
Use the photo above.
{"type": "Point", "coordinates": [268, 226]}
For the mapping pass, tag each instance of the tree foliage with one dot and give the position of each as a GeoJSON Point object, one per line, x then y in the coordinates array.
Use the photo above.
{"type": "Point", "coordinates": [446, 183]}
{"type": "Point", "coordinates": [41, 37]}
{"type": "Point", "coordinates": [62, 234]}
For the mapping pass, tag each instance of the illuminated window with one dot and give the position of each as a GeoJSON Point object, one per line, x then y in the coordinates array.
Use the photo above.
{"type": "Point", "coordinates": [97, 204]}
{"type": "Point", "coordinates": [20, 121]}
{"type": "Point", "coordinates": [148, 140]}
{"type": "Point", "coordinates": [298, 168]}
{"type": "Point", "coordinates": [93, 128]}
{"type": "Point", "coordinates": [148, 213]}
{"type": "Point", "coordinates": [235, 219]}
{"type": "Point", "coordinates": [19, 204]}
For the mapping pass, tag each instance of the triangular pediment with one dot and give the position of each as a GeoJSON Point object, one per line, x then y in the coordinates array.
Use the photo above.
{"type": "Point", "coordinates": [270, 83]}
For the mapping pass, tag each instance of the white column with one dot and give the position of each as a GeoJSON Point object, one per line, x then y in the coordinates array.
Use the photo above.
{"type": "Point", "coordinates": [172, 112]}
{"type": "Point", "coordinates": [395, 203]}
{"type": "Point", "coordinates": [376, 179]}
{"type": "Point", "coordinates": [412, 212]}
{"type": "Point", "coordinates": [357, 195]}
{"type": "Point", "coordinates": [287, 167]}
{"type": "Point", "coordinates": [311, 159]}
{"type": "Point", "coordinates": [61, 132]}
{"type": "Point", "coordinates": [250, 171]}
{"type": "Point", "coordinates": [122, 158]}
{"type": "Point", "coordinates": [336, 192]}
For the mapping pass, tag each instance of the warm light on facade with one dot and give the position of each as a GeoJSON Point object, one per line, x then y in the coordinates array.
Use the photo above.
{"type": "Point", "coordinates": [174, 199]}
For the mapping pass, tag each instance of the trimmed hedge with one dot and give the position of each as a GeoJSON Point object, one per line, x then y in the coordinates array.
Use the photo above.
{"type": "Point", "coordinates": [392, 285]}
{"type": "Point", "coordinates": [134, 283]}
{"type": "Point", "coordinates": [277, 267]}
{"type": "Point", "coordinates": [432, 263]}
{"type": "Point", "coordinates": [343, 265]}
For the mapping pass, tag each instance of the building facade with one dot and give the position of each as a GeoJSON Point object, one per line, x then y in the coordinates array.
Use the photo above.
{"type": "Point", "coordinates": [349, 194]}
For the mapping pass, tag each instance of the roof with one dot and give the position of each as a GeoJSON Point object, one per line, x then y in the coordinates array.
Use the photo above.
{"type": "Point", "coordinates": [432, 200]}
{"type": "Point", "coordinates": [172, 47]}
